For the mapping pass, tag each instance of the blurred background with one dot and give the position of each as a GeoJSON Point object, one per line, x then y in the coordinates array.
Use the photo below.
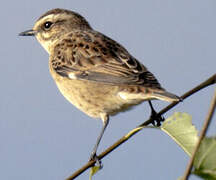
{"type": "Point", "coordinates": [42, 136]}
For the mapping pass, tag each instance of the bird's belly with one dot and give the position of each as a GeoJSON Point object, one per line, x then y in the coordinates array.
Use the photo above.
{"type": "Point", "coordinates": [93, 98]}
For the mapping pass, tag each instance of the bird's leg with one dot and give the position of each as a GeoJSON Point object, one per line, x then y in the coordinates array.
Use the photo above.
{"type": "Point", "coordinates": [105, 119]}
{"type": "Point", "coordinates": [155, 116]}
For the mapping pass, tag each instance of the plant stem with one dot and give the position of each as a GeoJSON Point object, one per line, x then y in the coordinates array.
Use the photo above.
{"type": "Point", "coordinates": [202, 135]}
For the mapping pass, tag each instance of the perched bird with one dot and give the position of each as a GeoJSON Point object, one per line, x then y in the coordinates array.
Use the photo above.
{"type": "Point", "coordinates": [95, 73]}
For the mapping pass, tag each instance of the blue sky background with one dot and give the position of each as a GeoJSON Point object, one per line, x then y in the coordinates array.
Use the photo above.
{"type": "Point", "coordinates": [42, 136]}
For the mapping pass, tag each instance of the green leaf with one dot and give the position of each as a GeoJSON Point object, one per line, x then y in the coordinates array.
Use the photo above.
{"type": "Point", "coordinates": [205, 159]}
{"type": "Point", "coordinates": [179, 127]}
{"type": "Point", "coordinates": [93, 171]}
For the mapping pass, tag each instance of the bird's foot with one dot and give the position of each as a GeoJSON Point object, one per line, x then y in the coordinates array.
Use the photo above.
{"type": "Point", "coordinates": [95, 158]}
{"type": "Point", "coordinates": [156, 118]}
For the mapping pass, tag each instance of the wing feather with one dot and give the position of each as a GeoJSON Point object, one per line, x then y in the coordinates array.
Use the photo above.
{"type": "Point", "coordinates": [92, 56]}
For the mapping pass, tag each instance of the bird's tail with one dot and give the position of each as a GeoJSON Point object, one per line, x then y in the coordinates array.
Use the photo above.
{"type": "Point", "coordinates": [149, 94]}
{"type": "Point", "coordinates": [164, 95]}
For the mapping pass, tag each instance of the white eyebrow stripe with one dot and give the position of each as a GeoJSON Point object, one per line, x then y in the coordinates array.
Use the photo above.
{"type": "Point", "coordinates": [49, 17]}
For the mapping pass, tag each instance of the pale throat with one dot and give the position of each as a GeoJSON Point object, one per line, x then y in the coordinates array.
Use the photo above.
{"type": "Point", "coordinates": [47, 44]}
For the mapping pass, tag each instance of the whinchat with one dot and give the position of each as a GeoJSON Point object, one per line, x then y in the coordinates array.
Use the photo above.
{"type": "Point", "coordinates": [92, 71]}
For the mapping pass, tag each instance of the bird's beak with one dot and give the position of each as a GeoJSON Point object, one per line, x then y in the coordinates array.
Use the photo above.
{"type": "Point", "coordinates": [30, 32]}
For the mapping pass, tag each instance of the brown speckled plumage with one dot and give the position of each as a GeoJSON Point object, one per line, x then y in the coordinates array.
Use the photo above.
{"type": "Point", "coordinates": [88, 54]}
{"type": "Point", "coordinates": [92, 71]}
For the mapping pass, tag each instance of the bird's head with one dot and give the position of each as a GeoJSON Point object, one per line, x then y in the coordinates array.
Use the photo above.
{"type": "Point", "coordinates": [52, 25]}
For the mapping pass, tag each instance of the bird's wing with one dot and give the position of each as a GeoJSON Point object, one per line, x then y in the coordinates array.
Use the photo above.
{"type": "Point", "coordinates": [90, 55]}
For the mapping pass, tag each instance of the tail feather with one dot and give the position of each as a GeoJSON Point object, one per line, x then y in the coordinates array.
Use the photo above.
{"type": "Point", "coordinates": [165, 96]}
{"type": "Point", "coordinates": [149, 94]}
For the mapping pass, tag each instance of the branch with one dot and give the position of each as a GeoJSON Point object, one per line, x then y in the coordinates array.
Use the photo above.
{"type": "Point", "coordinates": [202, 135]}
{"type": "Point", "coordinates": [208, 82]}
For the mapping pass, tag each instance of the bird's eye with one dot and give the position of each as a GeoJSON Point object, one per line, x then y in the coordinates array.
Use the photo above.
{"type": "Point", "coordinates": [47, 25]}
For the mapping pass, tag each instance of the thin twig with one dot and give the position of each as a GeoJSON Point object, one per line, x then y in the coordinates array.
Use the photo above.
{"type": "Point", "coordinates": [210, 81]}
{"type": "Point", "coordinates": [202, 135]}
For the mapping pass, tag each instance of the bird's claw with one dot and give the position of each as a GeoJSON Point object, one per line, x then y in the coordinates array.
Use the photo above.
{"type": "Point", "coordinates": [156, 119]}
